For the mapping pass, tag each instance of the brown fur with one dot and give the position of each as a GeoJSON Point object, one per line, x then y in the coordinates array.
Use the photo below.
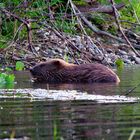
{"type": "Point", "coordinates": [59, 71]}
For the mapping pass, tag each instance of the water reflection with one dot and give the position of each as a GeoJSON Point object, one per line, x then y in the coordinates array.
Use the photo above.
{"type": "Point", "coordinates": [100, 89]}
{"type": "Point", "coordinates": [69, 120]}
{"type": "Point", "coordinates": [72, 120]}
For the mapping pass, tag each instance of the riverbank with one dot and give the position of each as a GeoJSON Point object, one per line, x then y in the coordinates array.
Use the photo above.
{"type": "Point", "coordinates": [76, 49]}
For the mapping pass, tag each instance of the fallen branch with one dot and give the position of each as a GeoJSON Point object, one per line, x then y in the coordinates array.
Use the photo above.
{"type": "Point", "coordinates": [120, 28]}
{"type": "Point", "coordinates": [13, 40]}
{"type": "Point", "coordinates": [63, 38]}
{"type": "Point", "coordinates": [131, 90]}
{"type": "Point", "coordinates": [27, 23]}
{"type": "Point", "coordinates": [100, 32]}
{"type": "Point", "coordinates": [101, 8]}
{"type": "Point", "coordinates": [93, 46]}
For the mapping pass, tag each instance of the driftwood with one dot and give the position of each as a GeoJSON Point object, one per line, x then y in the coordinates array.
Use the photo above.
{"type": "Point", "coordinates": [101, 8]}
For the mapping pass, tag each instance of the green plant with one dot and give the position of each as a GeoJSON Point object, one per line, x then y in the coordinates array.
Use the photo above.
{"type": "Point", "coordinates": [8, 69]}
{"type": "Point", "coordinates": [6, 78]}
{"type": "Point", "coordinates": [119, 63]}
{"type": "Point", "coordinates": [66, 57]}
{"type": "Point", "coordinates": [3, 41]}
{"type": "Point", "coordinates": [56, 135]}
{"type": "Point", "coordinates": [19, 65]}
{"type": "Point", "coordinates": [66, 26]}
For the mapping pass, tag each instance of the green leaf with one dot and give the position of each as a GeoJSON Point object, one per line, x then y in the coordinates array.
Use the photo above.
{"type": "Point", "coordinates": [6, 78]}
{"type": "Point", "coordinates": [2, 5]}
{"type": "Point", "coordinates": [19, 65]}
{"type": "Point", "coordinates": [119, 63]}
{"type": "Point", "coordinates": [2, 78]}
{"type": "Point", "coordinates": [10, 78]}
{"type": "Point", "coordinates": [8, 69]}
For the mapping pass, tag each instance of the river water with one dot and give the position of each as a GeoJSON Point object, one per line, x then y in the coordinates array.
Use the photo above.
{"type": "Point", "coordinates": [73, 119]}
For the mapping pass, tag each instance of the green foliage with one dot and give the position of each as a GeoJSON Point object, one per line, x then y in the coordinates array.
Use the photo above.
{"type": "Point", "coordinates": [80, 2]}
{"type": "Point", "coordinates": [128, 14]}
{"type": "Point", "coordinates": [7, 28]}
{"type": "Point", "coordinates": [19, 65]}
{"type": "Point", "coordinates": [3, 45]}
{"type": "Point", "coordinates": [38, 10]}
{"type": "Point", "coordinates": [56, 2]}
{"type": "Point", "coordinates": [8, 69]}
{"type": "Point", "coordinates": [56, 135]}
{"type": "Point", "coordinates": [119, 63]}
{"type": "Point", "coordinates": [98, 18]}
{"type": "Point", "coordinates": [6, 78]}
{"type": "Point", "coordinates": [2, 5]}
{"type": "Point", "coordinates": [66, 57]}
{"type": "Point", "coordinates": [116, 1]}
{"type": "Point", "coordinates": [67, 27]}
{"type": "Point", "coordinates": [3, 42]}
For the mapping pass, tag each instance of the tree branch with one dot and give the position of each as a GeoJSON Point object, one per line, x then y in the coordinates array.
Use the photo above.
{"type": "Point", "coordinates": [27, 23]}
{"type": "Point", "coordinates": [120, 28]}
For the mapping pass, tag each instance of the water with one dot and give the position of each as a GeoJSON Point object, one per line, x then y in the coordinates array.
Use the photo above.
{"type": "Point", "coordinates": [29, 118]}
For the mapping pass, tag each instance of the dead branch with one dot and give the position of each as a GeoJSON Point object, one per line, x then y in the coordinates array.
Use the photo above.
{"type": "Point", "coordinates": [63, 38]}
{"type": "Point", "coordinates": [101, 8]}
{"type": "Point", "coordinates": [120, 28]}
{"type": "Point", "coordinates": [27, 24]}
{"type": "Point", "coordinates": [80, 23]}
{"type": "Point", "coordinates": [94, 28]}
{"type": "Point", "coordinates": [131, 90]}
{"type": "Point", "coordinates": [100, 32]}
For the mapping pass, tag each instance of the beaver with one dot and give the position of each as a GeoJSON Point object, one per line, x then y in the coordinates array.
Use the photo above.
{"type": "Point", "coordinates": [59, 71]}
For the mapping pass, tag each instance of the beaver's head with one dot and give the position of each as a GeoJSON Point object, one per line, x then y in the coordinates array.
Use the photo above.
{"type": "Point", "coordinates": [48, 71]}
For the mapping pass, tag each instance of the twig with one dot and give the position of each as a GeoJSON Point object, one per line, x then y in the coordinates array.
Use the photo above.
{"type": "Point", "coordinates": [27, 23]}
{"type": "Point", "coordinates": [76, 11]}
{"type": "Point", "coordinates": [62, 37]}
{"type": "Point", "coordinates": [132, 134]}
{"type": "Point", "coordinates": [95, 29]}
{"type": "Point", "coordinates": [100, 32]}
{"type": "Point", "coordinates": [25, 4]}
{"type": "Point", "coordinates": [134, 12]}
{"type": "Point", "coordinates": [120, 28]}
{"type": "Point", "coordinates": [131, 90]}
{"type": "Point", "coordinates": [20, 27]}
{"type": "Point", "coordinates": [136, 24]}
{"type": "Point", "coordinates": [50, 11]}
{"type": "Point", "coordinates": [101, 8]}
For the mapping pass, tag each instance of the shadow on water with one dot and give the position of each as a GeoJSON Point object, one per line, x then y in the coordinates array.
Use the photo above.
{"type": "Point", "coordinates": [72, 120]}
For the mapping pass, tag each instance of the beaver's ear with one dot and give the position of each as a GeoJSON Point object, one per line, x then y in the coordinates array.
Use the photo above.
{"type": "Point", "coordinates": [57, 63]}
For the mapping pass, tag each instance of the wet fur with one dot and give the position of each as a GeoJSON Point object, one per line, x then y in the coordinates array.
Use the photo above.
{"type": "Point", "coordinates": [59, 71]}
